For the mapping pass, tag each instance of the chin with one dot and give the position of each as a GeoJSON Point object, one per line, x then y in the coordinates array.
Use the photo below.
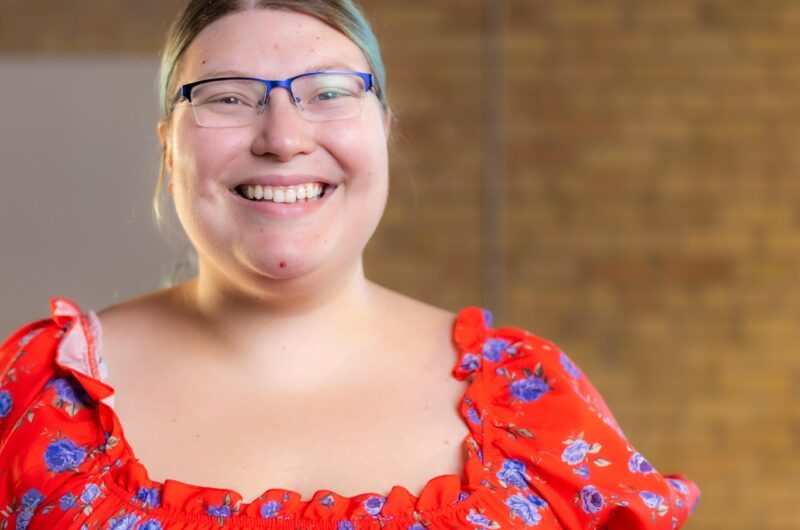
{"type": "Point", "coordinates": [287, 266]}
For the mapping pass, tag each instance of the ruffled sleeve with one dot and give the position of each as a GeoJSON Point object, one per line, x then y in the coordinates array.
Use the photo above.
{"type": "Point", "coordinates": [25, 368]}
{"type": "Point", "coordinates": [554, 444]}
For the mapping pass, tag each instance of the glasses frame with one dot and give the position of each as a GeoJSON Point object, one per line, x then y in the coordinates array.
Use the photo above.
{"type": "Point", "coordinates": [185, 91]}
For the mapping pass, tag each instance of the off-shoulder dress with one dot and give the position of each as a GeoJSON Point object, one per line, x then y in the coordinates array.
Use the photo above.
{"type": "Point", "coordinates": [543, 450]}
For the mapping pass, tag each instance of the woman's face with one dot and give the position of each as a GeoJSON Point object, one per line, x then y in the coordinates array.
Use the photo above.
{"type": "Point", "coordinates": [244, 240]}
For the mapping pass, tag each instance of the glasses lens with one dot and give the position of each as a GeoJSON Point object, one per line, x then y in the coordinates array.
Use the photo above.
{"type": "Point", "coordinates": [323, 97]}
{"type": "Point", "coordinates": [227, 103]}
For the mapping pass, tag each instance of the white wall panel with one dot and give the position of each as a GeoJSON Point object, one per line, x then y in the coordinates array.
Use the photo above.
{"type": "Point", "coordinates": [78, 162]}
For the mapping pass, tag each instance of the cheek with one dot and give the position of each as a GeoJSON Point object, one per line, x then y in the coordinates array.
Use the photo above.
{"type": "Point", "coordinates": [200, 159]}
{"type": "Point", "coordinates": [362, 153]}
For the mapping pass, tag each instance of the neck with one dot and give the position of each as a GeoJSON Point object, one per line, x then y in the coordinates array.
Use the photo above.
{"type": "Point", "coordinates": [271, 309]}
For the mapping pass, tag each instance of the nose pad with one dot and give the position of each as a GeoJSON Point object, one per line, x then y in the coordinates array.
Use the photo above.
{"type": "Point", "coordinates": [294, 100]}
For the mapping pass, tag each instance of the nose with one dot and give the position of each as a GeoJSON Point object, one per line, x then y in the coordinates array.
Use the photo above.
{"type": "Point", "coordinates": [281, 132]}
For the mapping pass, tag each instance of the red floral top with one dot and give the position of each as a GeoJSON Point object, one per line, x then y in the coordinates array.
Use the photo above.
{"type": "Point", "coordinates": [543, 450]}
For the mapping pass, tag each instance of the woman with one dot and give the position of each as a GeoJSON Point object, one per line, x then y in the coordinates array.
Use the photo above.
{"type": "Point", "coordinates": [280, 364]}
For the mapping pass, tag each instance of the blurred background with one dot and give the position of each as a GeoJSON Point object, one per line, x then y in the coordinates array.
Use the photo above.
{"type": "Point", "coordinates": [620, 177]}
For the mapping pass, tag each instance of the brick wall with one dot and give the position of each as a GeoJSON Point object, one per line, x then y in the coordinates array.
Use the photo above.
{"type": "Point", "coordinates": [652, 212]}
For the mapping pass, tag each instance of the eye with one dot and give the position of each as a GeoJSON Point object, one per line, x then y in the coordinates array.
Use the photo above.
{"type": "Point", "coordinates": [332, 94]}
{"type": "Point", "coordinates": [228, 99]}
{"type": "Point", "coordinates": [235, 93]}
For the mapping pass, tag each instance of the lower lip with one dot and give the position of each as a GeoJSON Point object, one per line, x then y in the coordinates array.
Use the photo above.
{"type": "Point", "coordinates": [286, 209]}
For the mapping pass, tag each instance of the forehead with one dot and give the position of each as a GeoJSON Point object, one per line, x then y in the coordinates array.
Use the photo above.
{"type": "Point", "coordinates": [269, 43]}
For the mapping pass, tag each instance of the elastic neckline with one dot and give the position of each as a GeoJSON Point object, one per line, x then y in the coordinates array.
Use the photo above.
{"type": "Point", "coordinates": [79, 353]}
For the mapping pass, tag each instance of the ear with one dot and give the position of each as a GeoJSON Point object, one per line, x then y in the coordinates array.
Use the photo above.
{"type": "Point", "coordinates": [163, 130]}
{"type": "Point", "coordinates": [388, 121]}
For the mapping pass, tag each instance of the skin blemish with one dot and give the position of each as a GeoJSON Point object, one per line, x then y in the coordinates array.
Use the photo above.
{"type": "Point", "coordinates": [283, 264]}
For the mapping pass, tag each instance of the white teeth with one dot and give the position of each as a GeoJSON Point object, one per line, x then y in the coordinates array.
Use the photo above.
{"type": "Point", "coordinates": [288, 194]}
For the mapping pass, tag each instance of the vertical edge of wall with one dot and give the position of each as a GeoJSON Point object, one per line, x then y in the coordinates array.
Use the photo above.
{"type": "Point", "coordinates": [493, 248]}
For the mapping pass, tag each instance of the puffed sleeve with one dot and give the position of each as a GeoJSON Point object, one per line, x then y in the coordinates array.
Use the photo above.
{"type": "Point", "coordinates": [554, 439]}
{"type": "Point", "coordinates": [25, 368]}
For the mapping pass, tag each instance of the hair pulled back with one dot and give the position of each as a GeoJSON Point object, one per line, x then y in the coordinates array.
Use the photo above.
{"type": "Point", "coordinates": [195, 15]}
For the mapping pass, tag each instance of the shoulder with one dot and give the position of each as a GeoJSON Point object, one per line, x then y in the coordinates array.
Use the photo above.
{"type": "Point", "coordinates": [37, 354]}
{"type": "Point", "coordinates": [134, 332]}
{"type": "Point", "coordinates": [551, 432]}
{"type": "Point", "coordinates": [413, 323]}
{"type": "Point", "coordinates": [139, 310]}
{"type": "Point", "coordinates": [37, 340]}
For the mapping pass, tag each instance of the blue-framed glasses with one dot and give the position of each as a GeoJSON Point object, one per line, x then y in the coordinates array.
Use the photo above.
{"type": "Point", "coordinates": [237, 101]}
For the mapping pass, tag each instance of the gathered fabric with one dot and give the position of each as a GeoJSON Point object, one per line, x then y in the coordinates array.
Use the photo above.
{"type": "Point", "coordinates": [543, 450]}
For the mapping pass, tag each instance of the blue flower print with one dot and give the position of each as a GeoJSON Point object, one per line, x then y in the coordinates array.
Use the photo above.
{"type": "Point", "coordinates": [513, 472]}
{"type": "Point", "coordinates": [24, 519]}
{"type": "Point", "coordinates": [270, 509]}
{"type": "Point", "coordinates": [63, 455]}
{"type": "Point", "coordinates": [480, 520]}
{"type": "Point", "coordinates": [582, 471]}
{"type": "Point", "coordinates": [345, 525]}
{"type": "Point", "coordinates": [487, 317]}
{"type": "Point", "coordinates": [470, 362]}
{"type": "Point", "coordinates": [472, 416]}
{"type": "Point", "coordinates": [493, 349]}
{"type": "Point", "coordinates": [90, 493]}
{"type": "Point", "coordinates": [6, 402]}
{"type": "Point", "coordinates": [638, 464]}
{"type": "Point", "coordinates": [529, 389]}
{"type": "Point", "coordinates": [67, 501]}
{"type": "Point", "coordinates": [31, 499]}
{"type": "Point", "coordinates": [327, 501]}
{"type": "Point", "coordinates": [526, 507]}
{"type": "Point", "coordinates": [591, 500]}
{"type": "Point", "coordinates": [569, 367]}
{"type": "Point", "coordinates": [125, 522]}
{"type": "Point", "coordinates": [374, 505]}
{"type": "Point", "coordinates": [152, 524]}
{"type": "Point", "coordinates": [149, 496]}
{"type": "Point", "coordinates": [651, 500]}
{"type": "Point", "coordinates": [416, 526]}
{"type": "Point", "coordinates": [219, 511]}
{"type": "Point", "coordinates": [678, 486]}
{"type": "Point", "coordinates": [64, 390]}
{"type": "Point", "coordinates": [575, 452]}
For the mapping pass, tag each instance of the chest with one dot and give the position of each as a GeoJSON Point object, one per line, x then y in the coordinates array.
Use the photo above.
{"type": "Point", "coordinates": [362, 433]}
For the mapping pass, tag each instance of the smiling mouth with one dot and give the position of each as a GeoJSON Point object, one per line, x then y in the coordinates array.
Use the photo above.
{"type": "Point", "coordinates": [283, 194]}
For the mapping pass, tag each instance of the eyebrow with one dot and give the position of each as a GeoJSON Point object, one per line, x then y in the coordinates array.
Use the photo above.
{"type": "Point", "coordinates": [240, 73]}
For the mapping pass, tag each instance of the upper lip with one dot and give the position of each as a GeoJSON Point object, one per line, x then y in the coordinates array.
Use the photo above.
{"type": "Point", "coordinates": [284, 180]}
